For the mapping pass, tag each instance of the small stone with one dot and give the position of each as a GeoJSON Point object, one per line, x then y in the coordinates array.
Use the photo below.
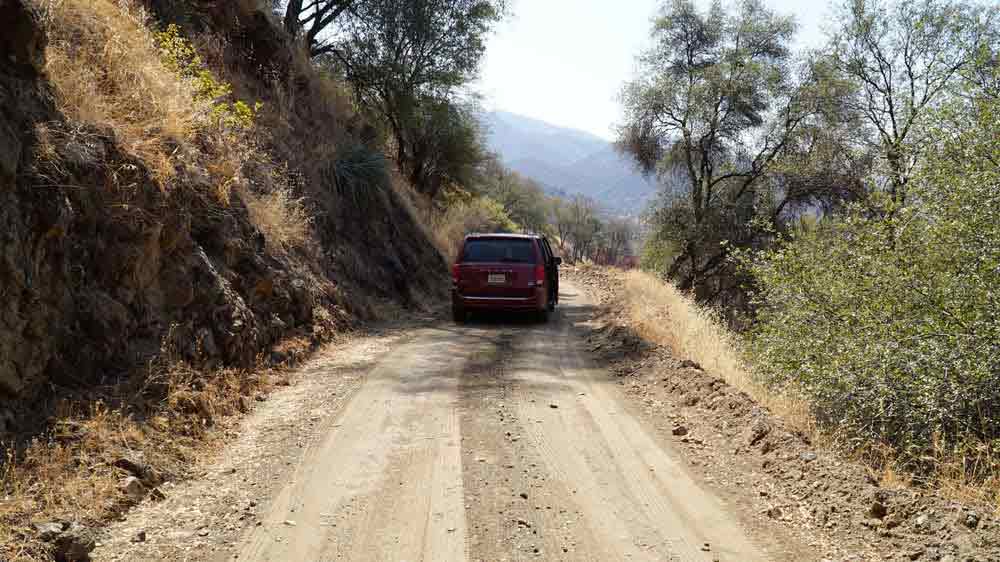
{"type": "Point", "coordinates": [680, 430]}
{"type": "Point", "coordinates": [971, 520]}
{"type": "Point", "coordinates": [133, 488]}
{"type": "Point", "coordinates": [75, 543]}
{"type": "Point", "coordinates": [922, 521]}
{"type": "Point", "coordinates": [203, 533]}
{"type": "Point", "coordinates": [48, 531]}
{"type": "Point", "coordinates": [774, 512]}
{"type": "Point", "coordinates": [553, 405]}
{"type": "Point", "coordinates": [878, 510]}
{"type": "Point", "coordinates": [140, 536]}
{"type": "Point", "coordinates": [289, 523]}
{"type": "Point", "coordinates": [523, 495]}
{"type": "Point", "coordinates": [808, 456]}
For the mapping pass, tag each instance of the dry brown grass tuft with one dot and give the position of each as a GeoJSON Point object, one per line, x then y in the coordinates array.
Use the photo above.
{"type": "Point", "coordinates": [668, 317]}
{"type": "Point", "coordinates": [281, 217]}
{"type": "Point", "coordinates": [69, 475]}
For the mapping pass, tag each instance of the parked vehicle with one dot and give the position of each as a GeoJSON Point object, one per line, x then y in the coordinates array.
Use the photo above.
{"type": "Point", "coordinates": [505, 272]}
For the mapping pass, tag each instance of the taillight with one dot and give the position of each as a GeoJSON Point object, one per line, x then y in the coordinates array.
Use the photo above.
{"type": "Point", "coordinates": [539, 274]}
{"type": "Point", "coordinates": [454, 273]}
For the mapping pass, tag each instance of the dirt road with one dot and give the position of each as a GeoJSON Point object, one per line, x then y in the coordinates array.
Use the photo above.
{"type": "Point", "coordinates": [490, 441]}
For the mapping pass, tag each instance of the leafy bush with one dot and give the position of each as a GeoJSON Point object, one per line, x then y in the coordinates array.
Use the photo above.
{"type": "Point", "coordinates": [466, 214]}
{"type": "Point", "coordinates": [357, 171]}
{"type": "Point", "coordinates": [180, 56]}
{"type": "Point", "coordinates": [891, 326]}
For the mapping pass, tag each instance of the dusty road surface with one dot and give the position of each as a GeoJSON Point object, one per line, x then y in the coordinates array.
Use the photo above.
{"type": "Point", "coordinates": [496, 440]}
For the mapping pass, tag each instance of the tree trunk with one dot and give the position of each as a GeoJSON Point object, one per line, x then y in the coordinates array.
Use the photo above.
{"type": "Point", "coordinates": [292, 14]}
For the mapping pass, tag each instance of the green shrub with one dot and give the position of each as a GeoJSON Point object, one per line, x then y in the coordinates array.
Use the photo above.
{"type": "Point", "coordinates": [465, 214]}
{"type": "Point", "coordinates": [180, 56]}
{"type": "Point", "coordinates": [358, 172]}
{"type": "Point", "coordinates": [891, 326]}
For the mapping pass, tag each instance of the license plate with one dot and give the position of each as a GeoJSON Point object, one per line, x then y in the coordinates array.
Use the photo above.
{"type": "Point", "coordinates": [497, 279]}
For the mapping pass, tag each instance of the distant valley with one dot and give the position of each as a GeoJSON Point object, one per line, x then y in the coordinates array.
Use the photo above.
{"type": "Point", "coordinates": [568, 162]}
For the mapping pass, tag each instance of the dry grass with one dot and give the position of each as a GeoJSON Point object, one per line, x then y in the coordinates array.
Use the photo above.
{"type": "Point", "coordinates": [668, 317]}
{"type": "Point", "coordinates": [281, 217]}
{"type": "Point", "coordinates": [105, 66]}
{"type": "Point", "coordinates": [662, 314]}
{"type": "Point", "coordinates": [69, 475]}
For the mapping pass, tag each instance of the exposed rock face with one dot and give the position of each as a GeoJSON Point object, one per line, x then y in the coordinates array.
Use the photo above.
{"type": "Point", "coordinates": [100, 269]}
{"type": "Point", "coordinates": [27, 275]}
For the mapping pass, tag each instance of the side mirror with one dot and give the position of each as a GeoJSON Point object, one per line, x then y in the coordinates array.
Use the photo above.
{"type": "Point", "coordinates": [557, 260]}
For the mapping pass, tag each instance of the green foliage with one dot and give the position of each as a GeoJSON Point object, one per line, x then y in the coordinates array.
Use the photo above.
{"type": "Point", "coordinates": [444, 146]}
{"type": "Point", "coordinates": [466, 213]}
{"type": "Point", "coordinates": [358, 172]}
{"type": "Point", "coordinates": [899, 59]}
{"type": "Point", "coordinates": [522, 199]}
{"type": "Point", "coordinates": [657, 254]}
{"type": "Point", "coordinates": [180, 56]}
{"type": "Point", "coordinates": [711, 115]}
{"type": "Point", "coordinates": [891, 325]}
{"type": "Point", "coordinates": [408, 61]}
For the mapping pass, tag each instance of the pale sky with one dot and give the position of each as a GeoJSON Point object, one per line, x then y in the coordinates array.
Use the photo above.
{"type": "Point", "coordinates": [564, 61]}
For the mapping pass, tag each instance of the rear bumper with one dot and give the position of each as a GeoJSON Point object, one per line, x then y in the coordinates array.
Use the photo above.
{"type": "Point", "coordinates": [535, 302]}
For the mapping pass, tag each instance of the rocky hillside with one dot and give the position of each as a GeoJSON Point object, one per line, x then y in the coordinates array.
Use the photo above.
{"type": "Point", "coordinates": [125, 240]}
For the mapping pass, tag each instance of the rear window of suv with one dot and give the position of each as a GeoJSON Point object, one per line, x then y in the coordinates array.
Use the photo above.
{"type": "Point", "coordinates": [498, 250]}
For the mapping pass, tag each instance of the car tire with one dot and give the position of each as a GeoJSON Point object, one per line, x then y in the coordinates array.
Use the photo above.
{"type": "Point", "coordinates": [459, 315]}
{"type": "Point", "coordinates": [542, 316]}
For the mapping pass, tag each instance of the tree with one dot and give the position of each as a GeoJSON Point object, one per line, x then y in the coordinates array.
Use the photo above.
{"type": "Point", "coordinates": [310, 18]}
{"type": "Point", "coordinates": [714, 102]}
{"type": "Point", "coordinates": [903, 58]}
{"type": "Point", "coordinates": [581, 226]}
{"type": "Point", "coordinates": [445, 146]}
{"type": "Point", "coordinates": [523, 199]}
{"type": "Point", "coordinates": [902, 312]}
{"type": "Point", "coordinates": [407, 57]}
{"type": "Point", "coordinates": [616, 239]}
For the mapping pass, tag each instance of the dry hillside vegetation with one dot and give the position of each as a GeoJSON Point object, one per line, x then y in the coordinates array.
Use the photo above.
{"type": "Point", "coordinates": [187, 210]}
{"type": "Point", "coordinates": [665, 315]}
{"type": "Point", "coordinates": [844, 509]}
{"type": "Point", "coordinates": [662, 314]}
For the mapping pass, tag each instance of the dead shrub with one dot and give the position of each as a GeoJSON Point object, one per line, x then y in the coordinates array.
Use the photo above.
{"type": "Point", "coordinates": [283, 218]}
{"type": "Point", "coordinates": [665, 315]}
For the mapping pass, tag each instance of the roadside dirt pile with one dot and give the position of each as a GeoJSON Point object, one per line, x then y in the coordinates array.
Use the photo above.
{"type": "Point", "coordinates": [837, 505]}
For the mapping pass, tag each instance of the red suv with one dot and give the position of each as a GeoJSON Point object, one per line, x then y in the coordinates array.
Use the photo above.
{"type": "Point", "coordinates": [508, 272]}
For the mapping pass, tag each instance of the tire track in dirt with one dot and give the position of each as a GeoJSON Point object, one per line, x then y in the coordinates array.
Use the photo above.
{"type": "Point", "coordinates": [515, 509]}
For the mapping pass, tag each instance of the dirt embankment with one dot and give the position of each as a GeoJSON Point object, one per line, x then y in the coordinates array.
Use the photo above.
{"type": "Point", "coordinates": [138, 293]}
{"type": "Point", "coordinates": [836, 505]}
{"type": "Point", "coordinates": [103, 264]}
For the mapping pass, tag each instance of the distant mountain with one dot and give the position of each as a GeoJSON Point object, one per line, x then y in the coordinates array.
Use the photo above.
{"type": "Point", "coordinates": [568, 161]}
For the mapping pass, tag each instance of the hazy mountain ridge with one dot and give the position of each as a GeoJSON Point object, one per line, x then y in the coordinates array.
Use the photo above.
{"type": "Point", "coordinates": [568, 161]}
